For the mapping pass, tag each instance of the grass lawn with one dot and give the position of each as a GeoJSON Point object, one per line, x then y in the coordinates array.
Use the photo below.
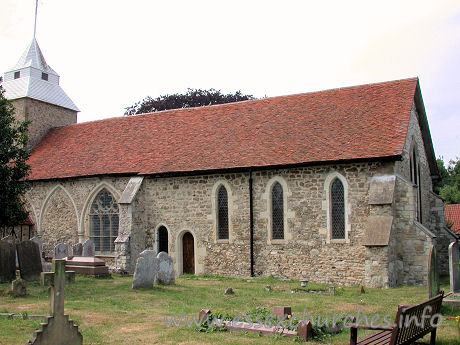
{"type": "Point", "coordinates": [108, 311]}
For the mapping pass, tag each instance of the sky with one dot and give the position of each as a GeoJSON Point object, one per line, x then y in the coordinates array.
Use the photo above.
{"type": "Point", "coordinates": [112, 53]}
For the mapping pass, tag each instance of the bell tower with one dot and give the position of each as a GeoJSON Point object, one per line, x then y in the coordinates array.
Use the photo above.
{"type": "Point", "coordinates": [33, 87]}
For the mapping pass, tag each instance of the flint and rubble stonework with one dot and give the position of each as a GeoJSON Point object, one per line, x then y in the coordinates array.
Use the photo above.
{"type": "Point", "coordinates": [186, 204]}
{"type": "Point", "coordinates": [43, 116]}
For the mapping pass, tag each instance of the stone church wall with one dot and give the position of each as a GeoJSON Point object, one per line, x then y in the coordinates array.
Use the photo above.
{"type": "Point", "coordinates": [185, 204]}
{"type": "Point", "coordinates": [432, 205]}
{"type": "Point", "coordinates": [59, 208]}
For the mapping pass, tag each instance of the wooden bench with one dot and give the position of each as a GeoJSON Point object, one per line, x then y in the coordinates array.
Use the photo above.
{"type": "Point", "coordinates": [405, 329]}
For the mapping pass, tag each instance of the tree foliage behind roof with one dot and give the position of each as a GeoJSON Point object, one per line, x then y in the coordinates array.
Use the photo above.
{"type": "Point", "coordinates": [13, 165]}
{"type": "Point", "coordinates": [192, 98]}
{"type": "Point", "coordinates": [448, 184]}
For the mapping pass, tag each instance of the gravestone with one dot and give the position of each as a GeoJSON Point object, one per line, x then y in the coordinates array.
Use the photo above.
{"type": "Point", "coordinates": [454, 268]}
{"type": "Point", "coordinates": [77, 249]}
{"type": "Point", "coordinates": [146, 271]}
{"type": "Point", "coordinates": [46, 266]}
{"type": "Point", "coordinates": [166, 275]}
{"type": "Point", "coordinates": [19, 288]}
{"type": "Point", "coordinates": [40, 244]}
{"type": "Point", "coordinates": [30, 263]}
{"type": "Point", "coordinates": [61, 251]}
{"type": "Point", "coordinates": [12, 240]}
{"type": "Point", "coordinates": [7, 262]}
{"type": "Point", "coordinates": [58, 329]}
{"type": "Point", "coordinates": [433, 273]}
{"type": "Point", "coordinates": [88, 248]}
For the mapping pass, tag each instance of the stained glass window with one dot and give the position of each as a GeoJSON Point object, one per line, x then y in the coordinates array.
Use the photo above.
{"type": "Point", "coordinates": [103, 220]}
{"type": "Point", "coordinates": [222, 210]}
{"type": "Point", "coordinates": [277, 212]}
{"type": "Point", "coordinates": [337, 210]}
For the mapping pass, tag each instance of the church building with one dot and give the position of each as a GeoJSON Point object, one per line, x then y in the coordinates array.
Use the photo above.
{"type": "Point", "coordinates": [332, 186]}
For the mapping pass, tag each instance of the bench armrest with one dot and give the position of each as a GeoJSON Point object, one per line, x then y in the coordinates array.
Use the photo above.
{"type": "Point", "coordinates": [373, 328]}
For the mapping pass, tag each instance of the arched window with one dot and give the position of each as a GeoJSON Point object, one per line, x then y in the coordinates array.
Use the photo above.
{"type": "Point", "coordinates": [162, 239]}
{"type": "Point", "coordinates": [222, 213]}
{"type": "Point", "coordinates": [337, 210]}
{"type": "Point", "coordinates": [103, 220]}
{"type": "Point", "coordinates": [415, 179]}
{"type": "Point", "coordinates": [277, 212]}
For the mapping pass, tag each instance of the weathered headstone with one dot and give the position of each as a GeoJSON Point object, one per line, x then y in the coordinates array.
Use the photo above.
{"type": "Point", "coordinates": [46, 266]}
{"type": "Point", "coordinates": [146, 271]}
{"type": "Point", "coordinates": [88, 248]}
{"type": "Point", "coordinates": [7, 262]}
{"type": "Point", "coordinates": [77, 249]}
{"type": "Point", "coordinates": [30, 263]}
{"type": "Point", "coordinates": [40, 244]}
{"type": "Point", "coordinates": [19, 288]}
{"type": "Point", "coordinates": [433, 273]}
{"type": "Point", "coordinates": [61, 251]}
{"type": "Point", "coordinates": [454, 268]}
{"type": "Point", "coordinates": [166, 273]}
{"type": "Point", "coordinates": [58, 329]}
{"type": "Point", "coordinates": [12, 240]}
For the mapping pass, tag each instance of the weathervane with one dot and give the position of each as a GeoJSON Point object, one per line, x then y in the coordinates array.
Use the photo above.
{"type": "Point", "coordinates": [35, 24]}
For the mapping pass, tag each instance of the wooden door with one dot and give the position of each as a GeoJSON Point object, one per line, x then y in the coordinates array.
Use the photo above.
{"type": "Point", "coordinates": [188, 255]}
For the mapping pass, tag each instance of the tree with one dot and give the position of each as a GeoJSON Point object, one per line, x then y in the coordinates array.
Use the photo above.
{"type": "Point", "coordinates": [448, 184]}
{"type": "Point", "coordinates": [13, 165]}
{"type": "Point", "coordinates": [192, 98]}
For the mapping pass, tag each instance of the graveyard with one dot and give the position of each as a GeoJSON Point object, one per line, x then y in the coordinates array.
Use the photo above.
{"type": "Point", "coordinates": [109, 311]}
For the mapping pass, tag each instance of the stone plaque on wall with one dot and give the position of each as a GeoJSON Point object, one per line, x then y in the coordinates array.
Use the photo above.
{"type": "Point", "coordinates": [381, 190]}
{"type": "Point", "coordinates": [378, 230]}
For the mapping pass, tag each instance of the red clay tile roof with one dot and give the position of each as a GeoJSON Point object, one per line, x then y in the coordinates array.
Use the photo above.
{"type": "Point", "coordinates": [453, 215]}
{"type": "Point", "coordinates": [361, 122]}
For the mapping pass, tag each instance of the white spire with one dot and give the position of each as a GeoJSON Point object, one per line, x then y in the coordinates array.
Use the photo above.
{"type": "Point", "coordinates": [33, 57]}
{"type": "Point", "coordinates": [32, 77]}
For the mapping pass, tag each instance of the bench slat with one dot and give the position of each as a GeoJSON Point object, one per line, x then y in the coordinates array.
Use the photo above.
{"type": "Point", "coordinates": [382, 337]}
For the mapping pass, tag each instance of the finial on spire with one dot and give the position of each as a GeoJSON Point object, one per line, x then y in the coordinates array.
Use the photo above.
{"type": "Point", "coordinates": [35, 24]}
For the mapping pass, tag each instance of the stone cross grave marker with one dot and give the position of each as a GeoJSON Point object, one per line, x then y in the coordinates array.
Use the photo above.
{"type": "Point", "coordinates": [30, 263]}
{"type": "Point", "coordinates": [58, 329]}
{"type": "Point", "coordinates": [146, 269]}
{"type": "Point", "coordinates": [77, 249]}
{"type": "Point", "coordinates": [433, 273]}
{"type": "Point", "coordinates": [454, 268]}
{"type": "Point", "coordinates": [7, 262]}
{"type": "Point", "coordinates": [88, 248]}
{"type": "Point", "coordinates": [61, 251]}
{"type": "Point", "coordinates": [166, 274]}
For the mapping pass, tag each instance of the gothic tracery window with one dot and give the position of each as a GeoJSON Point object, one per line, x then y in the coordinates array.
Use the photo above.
{"type": "Point", "coordinates": [337, 210]}
{"type": "Point", "coordinates": [222, 213]}
{"type": "Point", "coordinates": [277, 212]}
{"type": "Point", "coordinates": [103, 219]}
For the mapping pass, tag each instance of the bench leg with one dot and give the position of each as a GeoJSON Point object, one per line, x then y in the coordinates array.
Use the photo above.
{"type": "Point", "coordinates": [433, 337]}
{"type": "Point", "coordinates": [353, 336]}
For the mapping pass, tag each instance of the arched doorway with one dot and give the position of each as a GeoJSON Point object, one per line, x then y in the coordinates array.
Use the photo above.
{"type": "Point", "coordinates": [162, 239]}
{"type": "Point", "coordinates": [188, 254]}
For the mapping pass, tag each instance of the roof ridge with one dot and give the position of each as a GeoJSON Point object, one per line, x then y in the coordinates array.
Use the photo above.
{"type": "Point", "coordinates": [241, 102]}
